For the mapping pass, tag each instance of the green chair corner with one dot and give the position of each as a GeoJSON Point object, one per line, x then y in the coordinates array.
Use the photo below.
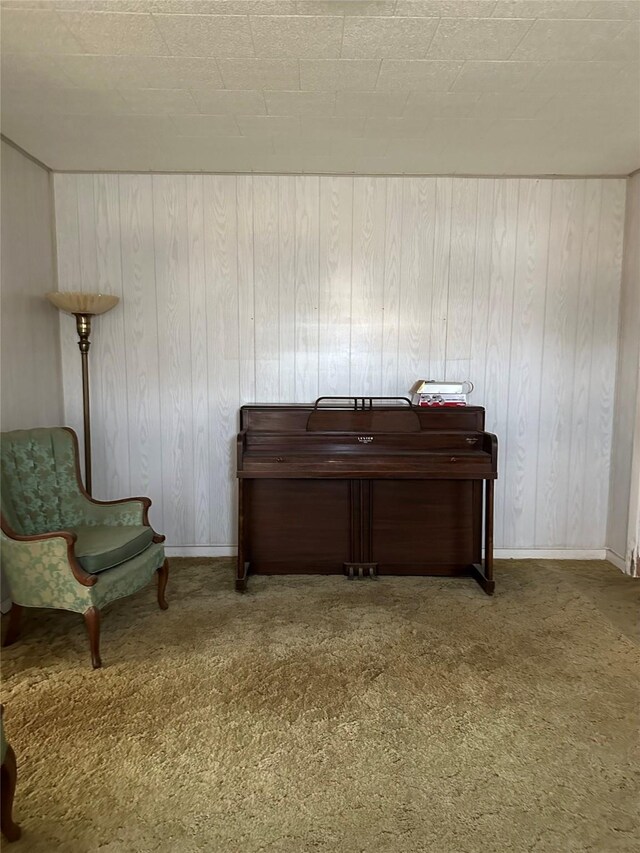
{"type": "Point", "coordinates": [61, 548]}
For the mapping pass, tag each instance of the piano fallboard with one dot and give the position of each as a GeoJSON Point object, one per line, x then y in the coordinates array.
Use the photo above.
{"type": "Point", "coordinates": [429, 453]}
{"type": "Point", "coordinates": [429, 465]}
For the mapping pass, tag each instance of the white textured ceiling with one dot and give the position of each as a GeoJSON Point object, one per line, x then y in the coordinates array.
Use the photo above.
{"type": "Point", "coordinates": [371, 86]}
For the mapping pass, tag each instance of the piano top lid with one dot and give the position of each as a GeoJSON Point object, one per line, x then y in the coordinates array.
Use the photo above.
{"type": "Point", "coordinates": [341, 415]}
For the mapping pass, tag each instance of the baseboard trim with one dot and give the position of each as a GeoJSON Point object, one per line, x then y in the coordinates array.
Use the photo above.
{"type": "Point", "coordinates": [549, 554]}
{"type": "Point", "coordinates": [499, 554]}
{"type": "Point", "coordinates": [200, 550]}
{"type": "Point", "coordinates": [616, 560]}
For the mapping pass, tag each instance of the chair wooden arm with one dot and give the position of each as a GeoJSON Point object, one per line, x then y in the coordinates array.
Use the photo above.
{"type": "Point", "coordinates": [146, 503]}
{"type": "Point", "coordinates": [78, 572]}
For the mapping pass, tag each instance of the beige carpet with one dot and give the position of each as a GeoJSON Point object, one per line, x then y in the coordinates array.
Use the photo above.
{"type": "Point", "coordinates": [314, 714]}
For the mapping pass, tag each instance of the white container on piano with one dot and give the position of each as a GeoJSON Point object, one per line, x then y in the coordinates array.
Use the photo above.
{"type": "Point", "coordinates": [428, 392]}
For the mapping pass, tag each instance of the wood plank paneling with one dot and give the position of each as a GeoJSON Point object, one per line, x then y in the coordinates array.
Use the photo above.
{"type": "Point", "coordinates": [285, 288]}
{"type": "Point", "coordinates": [519, 453]}
{"type": "Point", "coordinates": [497, 354]}
{"type": "Point", "coordinates": [267, 308]}
{"type": "Point", "coordinates": [306, 315]}
{"type": "Point", "coordinates": [246, 291]}
{"type": "Point", "coordinates": [481, 307]}
{"type": "Point", "coordinates": [221, 273]}
{"type": "Point", "coordinates": [464, 213]}
{"type": "Point", "coordinates": [31, 381]}
{"type": "Point", "coordinates": [336, 234]}
{"type": "Point", "coordinates": [199, 363]}
{"type": "Point", "coordinates": [140, 313]}
{"type": "Point", "coordinates": [391, 293]}
{"type": "Point", "coordinates": [583, 349]}
{"type": "Point", "coordinates": [558, 361]}
{"type": "Point", "coordinates": [624, 501]}
{"type": "Point", "coordinates": [67, 211]}
{"type": "Point", "coordinates": [171, 242]}
{"type": "Point", "coordinates": [110, 421]}
{"type": "Point", "coordinates": [416, 274]}
{"type": "Point", "coordinates": [367, 284]}
{"type": "Point", "coordinates": [440, 281]}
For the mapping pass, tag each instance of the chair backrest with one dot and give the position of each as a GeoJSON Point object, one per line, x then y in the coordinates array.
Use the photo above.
{"type": "Point", "coordinates": [40, 490]}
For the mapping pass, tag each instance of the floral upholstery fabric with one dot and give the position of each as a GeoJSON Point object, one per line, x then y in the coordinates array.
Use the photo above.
{"type": "Point", "coordinates": [126, 578]}
{"type": "Point", "coordinates": [40, 491]}
{"type": "Point", "coordinates": [39, 575]}
{"type": "Point", "coordinates": [40, 494]}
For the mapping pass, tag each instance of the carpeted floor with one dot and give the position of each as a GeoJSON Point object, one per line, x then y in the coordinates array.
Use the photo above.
{"type": "Point", "coordinates": [313, 714]}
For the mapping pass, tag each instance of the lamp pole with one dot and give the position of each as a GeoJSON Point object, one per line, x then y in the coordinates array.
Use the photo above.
{"type": "Point", "coordinates": [83, 306]}
{"type": "Point", "coordinates": [83, 327]}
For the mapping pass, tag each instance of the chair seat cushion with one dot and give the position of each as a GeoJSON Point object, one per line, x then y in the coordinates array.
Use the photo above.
{"type": "Point", "coordinates": [102, 546]}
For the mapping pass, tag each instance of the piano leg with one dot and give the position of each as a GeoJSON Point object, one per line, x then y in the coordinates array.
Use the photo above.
{"type": "Point", "coordinates": [241, 576]}
{"type": "Point", "coordinates": [242, 570]}
{"type": "Point", "coordinates": [484, 574]}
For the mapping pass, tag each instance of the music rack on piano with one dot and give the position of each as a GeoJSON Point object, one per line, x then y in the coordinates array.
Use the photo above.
{"type": "Point", "coordinates": [365, 486]}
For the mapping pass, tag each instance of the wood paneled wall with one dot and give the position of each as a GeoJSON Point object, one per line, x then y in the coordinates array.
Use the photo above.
{"type": "Point", "coordinates": [624, 502]}
{"type": "Point", "coordinates": [31, 375]}
{"type": "Point", "coordinates": [238, 289]}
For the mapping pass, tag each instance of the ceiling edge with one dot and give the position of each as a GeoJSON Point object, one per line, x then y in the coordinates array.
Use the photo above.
{"type": "Point", "coordinates": [552, 177]}
{"type": "Point", "coordinates": [19, 148]}
{"type": "Point", "coordinates": [558, 177]}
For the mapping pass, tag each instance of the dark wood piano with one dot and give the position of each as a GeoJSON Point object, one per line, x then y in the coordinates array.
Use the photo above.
{"type": "Point", "coordinates": [365, 486]}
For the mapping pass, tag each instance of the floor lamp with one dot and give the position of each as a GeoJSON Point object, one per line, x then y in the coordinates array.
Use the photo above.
{"type": "Point", "coordinates": [84, 306]}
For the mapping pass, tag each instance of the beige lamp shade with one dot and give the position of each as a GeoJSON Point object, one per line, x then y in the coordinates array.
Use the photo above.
{"type": "Point", "coordinates": [75, 302]}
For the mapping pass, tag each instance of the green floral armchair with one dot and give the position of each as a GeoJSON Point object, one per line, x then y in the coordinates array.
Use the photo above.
{"type": "Point", "coordinates": [60, 547]}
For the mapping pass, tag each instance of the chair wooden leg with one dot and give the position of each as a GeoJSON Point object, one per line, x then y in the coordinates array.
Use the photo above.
{"type": "Point", "coordinates": [13, 631]}
{"type": "Point", "coordinates": [8, 778]}
{"type": "Point", "coordinates": [163, 577]}
{"type": "Point", "coordinates": [92, 621]}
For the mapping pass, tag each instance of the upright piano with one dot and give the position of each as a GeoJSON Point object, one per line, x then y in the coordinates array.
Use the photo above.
{"type": "Point", "coordinates": [365, 486]}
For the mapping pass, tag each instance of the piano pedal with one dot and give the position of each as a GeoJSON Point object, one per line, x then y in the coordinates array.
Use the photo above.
{"type": "Point", "coordinates": [361, 570]}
